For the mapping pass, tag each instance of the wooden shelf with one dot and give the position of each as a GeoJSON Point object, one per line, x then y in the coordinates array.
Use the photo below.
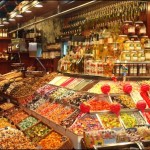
{"type": "Point", "coordinates": [5, 38]}
{"type": "Point", "coordinates": [103, 77]}
{"type": "Point", "coordinates": [51, 50]}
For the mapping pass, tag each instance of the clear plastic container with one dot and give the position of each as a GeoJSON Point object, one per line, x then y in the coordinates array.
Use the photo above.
{"type": "Point", "coordinates": [134, 56]}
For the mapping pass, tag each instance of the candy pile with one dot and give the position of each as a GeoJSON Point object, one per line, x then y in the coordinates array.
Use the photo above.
{"type": "Point", "coordinates": [46, 108]}
{"type": "Point", "coordinates": [4, 123]}
{"type": "Point", "coordinates": [37, 103]}
{"type": "Point", "coordinates": [125, 100]}
{"type": "Point", "coordinates": [28, 122]}
{"type": "Point", "coordinates": [6, 106]}
{"type": "Point", "coordinates": [70, 120]}
{"type": "Point", "coordinates": [98, 105]}
{"type": "Point", "coordinates": [11, 111]}
{"type": "Point", "coordinates": [52, 141]}
{"type": "Point", "coordinates": [36, 132]}
{"type": "Point", "coordinates": [14, 139]}
{"type": "Point", "coordinates": [110, 121]}
{"type": "Point", "coordinates": [130, 120]}
{"type": "Point", "coordinates": [86, 123]}
{"type": "Point", "coordinates": [19, 116]}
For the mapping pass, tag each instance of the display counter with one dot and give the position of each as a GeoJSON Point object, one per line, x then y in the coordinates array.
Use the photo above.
{"type": "Point", "coordinates": [81, 112]}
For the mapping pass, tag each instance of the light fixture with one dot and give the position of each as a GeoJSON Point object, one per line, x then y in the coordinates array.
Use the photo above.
{"type": "Point", "coordinates": [12, 19]}
{"type": "Point", "coordinates": [5, 21]}
{"type": "Point", "coordinates": [1, 23]}
{"type": "Point", "coordinates": [19, 16]}
{"type": "Point", "coordinates": [28, 11]}
{"type": "Point", "coordinates": [38, 5]}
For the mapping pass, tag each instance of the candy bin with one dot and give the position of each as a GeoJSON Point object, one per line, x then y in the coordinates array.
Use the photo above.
{"type": "Point", "coordinates": [55, 140]}
{"type": "Point", "coordinates": [131, 119]}
{"type": "Point", "coordinates": [37, 132]}
{"type": "Point", "coordinates": [87, 122]}
{"type": "Point", "coordinates": [109, 121]}
{"type": "Point", "coordinates": [28, 122]}
{"type": "Point", "coordinates": [14, 139]}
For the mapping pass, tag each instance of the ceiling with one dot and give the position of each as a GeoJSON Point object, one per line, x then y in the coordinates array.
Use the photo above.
{"type": "Point", "coordinates": [50, 7]}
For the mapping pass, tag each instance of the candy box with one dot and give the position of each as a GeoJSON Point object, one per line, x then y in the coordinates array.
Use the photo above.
{"type": "Point", "coordinates": [37, 132]}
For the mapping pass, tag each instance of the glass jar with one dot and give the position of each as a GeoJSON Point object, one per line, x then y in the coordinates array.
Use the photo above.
{"type": "Point", "coordinates": [141, 56]}
{"type": "Point", "coordinates": [133, 56]}
{"type": "Point", "coordinates": [147, 54]}
{"type": "Point", "coordinates": [143, 40]}
{"type": "Point", "coordinates": [129, 45]}
{"type": "Point", "coordinates": [140, 28]}
{"type": "Point", "coordinates": [122, 38]}
{"type": "Point", "coordinates": [134, 38]}
{"type": "Point", "coordinates": [125, 56]}
{"type": "Point", "coordinates": [128, 28]}
{"type": "Point", "coordinates": [137, 45]}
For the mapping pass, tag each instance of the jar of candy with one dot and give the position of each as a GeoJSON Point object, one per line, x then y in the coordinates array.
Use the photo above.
{"type": "Point", "coordinates": [125, 56]}
{"type": "Point", "coordinates": [134, 38]}
{"type": "Point", "coordinates": [128, 45]}
{"type": "Point", "coordinates": [140, 28]}
{"type": "Point", "coordinates": [122, 38]}
{"type": "Point", "coordinates": [141, 55]}
{"type": "Point", "coordinates": [147, 54]}
{"type": "Point", "coordinates": [137, 45]}
{"type": "Point", "coordinates": [128, 28]}
{"type": "Point", "coordinates": [134, 56]}
{"type": "Point", "coordinates": [143, 40]}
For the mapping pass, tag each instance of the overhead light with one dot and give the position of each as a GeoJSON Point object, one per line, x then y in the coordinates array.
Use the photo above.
{"type": "Point", "coordinates": [28, 11]}
{"type": "Point", "coordinates": [39, 5]}
{"type": "Point", "coordinates": [1, 23]}
{"type": "Point", "coordinates": [19, 16]}
{"type": "Point", "coordinates": [12, 19]}
{"type": "Point", "coordinates": [5, 21]}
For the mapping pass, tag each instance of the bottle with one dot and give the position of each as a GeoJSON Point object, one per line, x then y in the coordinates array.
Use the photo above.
{"type": "Point", "coordinates": [135, 70]}
{"type": "Point", "coordinates": [1, 32]}
{"type": "Point", "coordinates": [131, 69]}
{"type": "Point", "coordinates": [144, 69]}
